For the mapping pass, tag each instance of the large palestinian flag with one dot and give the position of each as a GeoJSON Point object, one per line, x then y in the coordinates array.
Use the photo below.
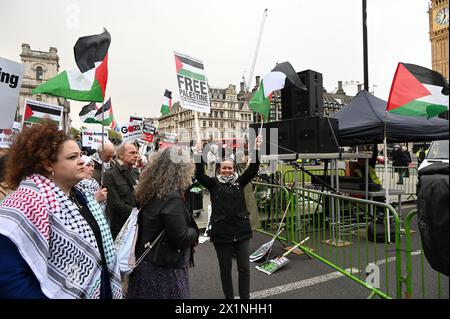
{"type": "Point", "coordinates": [275, 80]}
{"type": "Point", "coordinates": [36, 111]}
{"type": "Point", "coordinates": [88, 83]}
{"type": "Point", "coordinates": [166, 107]}
{"type": "Point", "coordinates": [189, 67]}
{"type": "Point", "coordinates": [418, 91]}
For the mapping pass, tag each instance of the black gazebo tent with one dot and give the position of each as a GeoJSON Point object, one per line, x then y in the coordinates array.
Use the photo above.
{"type": "Point", "coordinates": [362, 122]}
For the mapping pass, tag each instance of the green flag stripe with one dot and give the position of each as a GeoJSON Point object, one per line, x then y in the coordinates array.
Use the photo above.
{"type": "Point", "coordinates": [165, 109]}
{"type": "Point", "coordinates": [259, 103]}
{"type": "Point", "coordinates": [34, 119]}
{"type": "Point", "coordinates": [191, 74]}
{"type": "Point", "coordinates": [90, 120]}
{"type": "Point", "coordinates": [420, 108]}
{"type": "Point", "coordinates": [59, 86]}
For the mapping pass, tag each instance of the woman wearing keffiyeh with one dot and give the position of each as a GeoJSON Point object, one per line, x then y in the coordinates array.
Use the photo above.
{"type": "Point", "coordinates": [89, 185]}
{"type": "Point", "coordinates": [230, 227]}
{"type": "Point", "coordinates": [54, 239]}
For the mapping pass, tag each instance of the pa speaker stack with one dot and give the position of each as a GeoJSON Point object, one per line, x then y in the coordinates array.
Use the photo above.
{"type": "Point", "coordinates": [303, 128]}
{"type": "Point", "coordinates": [296, 102]}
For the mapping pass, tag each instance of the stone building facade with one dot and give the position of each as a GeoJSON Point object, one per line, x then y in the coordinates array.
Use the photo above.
{"type": "Point", "coordinates": [39, 67]}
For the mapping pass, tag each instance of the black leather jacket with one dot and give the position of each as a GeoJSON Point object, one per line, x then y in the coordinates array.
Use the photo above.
{"type": "Point", "coordinates": [230, 217]}
{"type": "Point", "coordinates": [181, 231]}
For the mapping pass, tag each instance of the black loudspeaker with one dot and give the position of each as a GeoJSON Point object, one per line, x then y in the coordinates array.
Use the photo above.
{"type": "Point", "coordinates": [299, 135]}
{"type": "Point", "coordinates": [297, 103]}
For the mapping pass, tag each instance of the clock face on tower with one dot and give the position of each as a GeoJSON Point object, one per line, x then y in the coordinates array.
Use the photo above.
{"type": "Point", "coordinates": [441, 17]}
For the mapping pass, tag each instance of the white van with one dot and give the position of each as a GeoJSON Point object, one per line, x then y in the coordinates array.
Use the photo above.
{"type": "Point", "coordinates": [438, 152]}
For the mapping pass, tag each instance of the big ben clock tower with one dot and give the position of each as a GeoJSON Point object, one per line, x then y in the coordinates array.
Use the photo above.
{"type": "Point", "coordinates": [439, 15]}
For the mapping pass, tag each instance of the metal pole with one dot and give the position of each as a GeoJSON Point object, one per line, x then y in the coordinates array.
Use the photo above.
{"type": "Point", "coordinates": [366, 67]}
{"type": "Point", "coordinates": [103, 147]}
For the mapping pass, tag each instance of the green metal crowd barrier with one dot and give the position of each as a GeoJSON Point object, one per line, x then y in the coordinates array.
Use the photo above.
{"type": "Point", "coordinates": [342, 234]}
{"type": "Point", "coordinates": [303, 178]}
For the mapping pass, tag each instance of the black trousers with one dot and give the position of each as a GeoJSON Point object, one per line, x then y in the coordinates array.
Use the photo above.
{"type": "Point", "coordinates": [224, 255]}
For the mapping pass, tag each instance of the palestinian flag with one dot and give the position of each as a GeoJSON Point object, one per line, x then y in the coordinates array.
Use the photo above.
{"type": "Point", "coordinates": [87, 113]}
{"type": "Point", "coordinates": [104, 115]}
{"type": "Point", "coordinates": [275, 80]}
{"type": "Point", "coordinates": [135, 118]}
{"type": "Point", "coordinates": [114, 126]}
{"type": "Point", "coordinates": [417, 91]}
{"type": "Point", "coordinates": [35, 111]}
{"type": "Point", "coordinates": [189, 67]}
{"type": "Point", "coordinates": [166, 107]}
{"type": "Point", "coordinates": [88, 83]}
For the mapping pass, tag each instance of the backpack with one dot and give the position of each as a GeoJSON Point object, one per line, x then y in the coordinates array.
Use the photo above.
{"type": "Point", "coordinates": [125, 244]}
{"type": "Point", "coordinates": [433, 214]}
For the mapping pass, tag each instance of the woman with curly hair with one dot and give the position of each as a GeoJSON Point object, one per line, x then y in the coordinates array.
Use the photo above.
{"type": "Point", "coordinates": [54, 239]}
{"type": "Point", "coordinates": [163, 273]}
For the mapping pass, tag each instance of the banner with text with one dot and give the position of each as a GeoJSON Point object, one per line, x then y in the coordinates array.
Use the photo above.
{"type": "Point", "coordinates": [192, 84]}
{"type": "Point", "coordinates": [148, 131]}
{"type": "Point", "coordinates": [131, 131]}
{"type": "Point", "coordinates": [136, 118]}
{"type": "Point", "coordinates": [92, 138]}
{"type": "Point", "coordinates": [34, 111]}
{"type": "Point", "coordinates": [11, 75]}
{"type": "Point", "coordinates": [7, 135]}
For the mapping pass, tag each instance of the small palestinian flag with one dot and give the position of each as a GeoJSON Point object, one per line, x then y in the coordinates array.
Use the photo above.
{"type": "Point", "coordinates": [275, 80]}
{"type": "Point", "coordinates": [35, 111]}
{"type": "Point", "coordinates": [135, 118]}
{"type": "Point", "coordinates": [418, 91]}
{"type": "Point", "coordinates": [104, 115]}
{"type": "Point", "coordinates": [166, 107]}
{"type": "Point", "coordinates": [87, 113]}
{"type": "Point", "coordinates": [114, 126]}
{"type": "Point", "coordinates": [189, 67]}
{"type": "Point", "coordinates": [88, 83]}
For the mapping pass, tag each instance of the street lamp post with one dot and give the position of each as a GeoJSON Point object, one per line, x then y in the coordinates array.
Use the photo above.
{"type": "Point", "coordinates": [365, 54]}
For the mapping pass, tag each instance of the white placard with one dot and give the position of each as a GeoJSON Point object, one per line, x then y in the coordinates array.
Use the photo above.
{"type": "Point", "coordinates": [192, 84]}
{"type": "Point", "coordinates": [7, 135]}
{"type": "Point", "coordinates": [131, 131]}
{"type": "Point", "coordinates": [92, 139]}
{"type": "Point", "coordinates": [11, 75]}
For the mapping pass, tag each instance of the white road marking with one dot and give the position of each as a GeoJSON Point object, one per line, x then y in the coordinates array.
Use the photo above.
{"type": "Point", "coordinates": [298, 284]}
{"type": "Point", "coordinates": [314, 281]}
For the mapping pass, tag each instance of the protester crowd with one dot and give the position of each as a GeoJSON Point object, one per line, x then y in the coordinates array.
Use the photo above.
{"type": "Point", "coordinates": [62, 210]}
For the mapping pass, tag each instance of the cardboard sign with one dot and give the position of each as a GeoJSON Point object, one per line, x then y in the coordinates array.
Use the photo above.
{"type": "Point", "coordinates": [11, 75]}
{"type": "Point", "coordinates": [35, 111]}
{"type": "Point", "coordinates": [192, 84]}
{"type": "Point", "coordinates": [131, 131]}
{"type": "Point", "coordinates": [92, 138]}
{"type": "Point", "coordinates": [148, 132]}
{"type": "Point", "coordinates": [136, 118]}
{"type": "Point", "coordinates": [7, 135]}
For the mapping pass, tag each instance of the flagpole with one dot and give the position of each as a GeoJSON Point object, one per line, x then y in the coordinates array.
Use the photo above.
{"type": "Point", "coordinates": [386, 182]}
{"type": "Point", "coordinates": [262, 122]}
{"type": "Point", "coordinates": [103, 147]}
{"type": "Point", "coordinates": [197, 127]}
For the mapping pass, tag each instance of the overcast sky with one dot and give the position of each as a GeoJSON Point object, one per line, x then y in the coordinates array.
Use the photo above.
{"type": "Point", "coordinates": [325, 36]}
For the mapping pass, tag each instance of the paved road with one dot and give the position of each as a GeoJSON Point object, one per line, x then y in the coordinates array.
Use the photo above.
{"type": "Point", "coordinates": [306, 278]}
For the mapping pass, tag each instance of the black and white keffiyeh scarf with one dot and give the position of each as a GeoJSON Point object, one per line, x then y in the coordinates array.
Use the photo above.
{"type": "Point", "coordinates": [228, 179]}
{"type": "Point", "coordinates": [88, 186]}
{"type": "Point", "coordinates": [56, 241]}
